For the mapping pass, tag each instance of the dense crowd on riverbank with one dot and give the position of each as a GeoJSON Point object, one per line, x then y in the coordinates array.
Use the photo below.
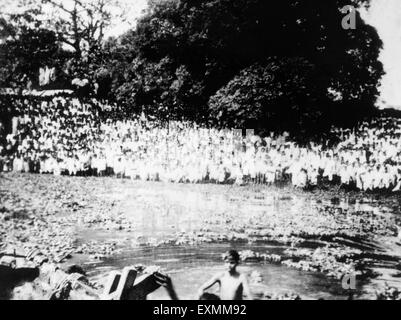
{"type": "Point", "coordinates": [65, 136]}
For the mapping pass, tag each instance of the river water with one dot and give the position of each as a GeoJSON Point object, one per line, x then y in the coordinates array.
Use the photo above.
{"type": "Point", "coordinates": [163, 213]}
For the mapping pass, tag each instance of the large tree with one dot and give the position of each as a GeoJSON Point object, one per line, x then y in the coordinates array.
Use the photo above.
{"type": "Point", "coordinates": [26, 46]}
{"type": "Point", "coordinates": [80, 24]}
{"type": "Point", "coordinates": [215, 41]}
{"type": "Point", "coordinates": [80, 27]}
{"type": "Point", "coordinates": [277, 93]}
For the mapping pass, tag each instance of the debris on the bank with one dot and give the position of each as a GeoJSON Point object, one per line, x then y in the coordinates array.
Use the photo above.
{"type": "Point", "coordinates": [255, 277]}
{"type": "Point", "coordinates": [25, 278]}
{"type": "Point", "coordinates": [52, 215]}
{"type": "Point", "coordinates": [285, 296]}
{"type": "Point", "coordinates": [15, 270]}
{"type": "Point", "coordinates": [388, 293]}
{"type": "Point", "coordinates": [98, 249]}
{"type": "Point", "coordinates": [249, 255]}
{"type": "Point", "coordinates": [331, 260]}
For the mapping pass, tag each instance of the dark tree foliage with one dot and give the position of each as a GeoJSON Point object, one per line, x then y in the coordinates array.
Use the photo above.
{"type": "Point", "coordinates": [25, 46]}
{"type": "Point", "coordinates": [249, 62]}
{"type": "Point", "coordinates": [22, 57]}
{"type": "Point", "coordinates": [277, 94]}
{"type": "Point", "coordinates": [285, 64]}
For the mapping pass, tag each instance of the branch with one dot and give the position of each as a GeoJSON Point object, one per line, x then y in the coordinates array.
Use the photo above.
{"type": "Point", "coordinates": [70, 12]}
{"type": "Point", "coordinates": [60, 6]}
{"type": "Point", "coordinates": [66, 41]}
{"type": "Point", "coordinates": [94, 28]}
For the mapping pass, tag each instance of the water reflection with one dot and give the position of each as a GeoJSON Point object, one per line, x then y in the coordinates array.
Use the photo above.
{"type": "Point", "coordinates": [163, 211]}
{"type": "Point", "coordinates": [191, 267]}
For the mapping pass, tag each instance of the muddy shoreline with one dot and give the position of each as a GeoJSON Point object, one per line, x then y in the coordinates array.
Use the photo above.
{"type": "Point", "coordinates": [333, 232]}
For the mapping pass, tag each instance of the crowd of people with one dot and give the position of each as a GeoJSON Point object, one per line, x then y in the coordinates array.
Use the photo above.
{"type": "Point", "coordinates": [67, 136]}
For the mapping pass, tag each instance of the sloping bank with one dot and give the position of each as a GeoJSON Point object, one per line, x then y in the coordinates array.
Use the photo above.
{"type": "Point", "coordinates": [42, 213]}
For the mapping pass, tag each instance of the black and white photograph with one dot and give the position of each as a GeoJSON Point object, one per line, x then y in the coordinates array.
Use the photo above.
{"type": "Point", "coordinates": [200, 150]}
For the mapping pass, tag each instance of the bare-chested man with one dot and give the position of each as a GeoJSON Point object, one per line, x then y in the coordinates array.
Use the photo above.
{"type": "Point", "coordinates": [233, 285]}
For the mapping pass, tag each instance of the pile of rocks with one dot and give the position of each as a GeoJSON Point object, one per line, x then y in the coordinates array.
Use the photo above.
{"type": "Point", "coordinates": [30, 276]}
{"type": "Point", "coordinates": [388, 293]}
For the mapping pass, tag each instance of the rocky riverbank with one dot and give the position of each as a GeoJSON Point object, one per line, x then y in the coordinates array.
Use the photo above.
{"type": "Point", "coordinates": [350, 233]}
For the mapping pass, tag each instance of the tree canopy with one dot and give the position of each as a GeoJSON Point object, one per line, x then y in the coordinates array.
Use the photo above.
{"type": "Point", "coordinates": [257, 62]}
{"type": "Point", "coordinates": [217, 41]}
{"type": "Point", "coordinates": [27, 46]}
{"type": "Point", "coordinates": [77, 28]}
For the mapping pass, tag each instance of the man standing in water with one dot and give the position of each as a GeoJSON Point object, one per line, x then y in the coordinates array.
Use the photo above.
{"type": "Point", "coordinates": [233, 285]}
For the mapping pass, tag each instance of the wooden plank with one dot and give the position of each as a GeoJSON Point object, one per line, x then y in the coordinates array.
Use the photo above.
{"type": "Point", "coordinates": [145, 284]}
{"type": "Point", "coordinates": [126, 283]}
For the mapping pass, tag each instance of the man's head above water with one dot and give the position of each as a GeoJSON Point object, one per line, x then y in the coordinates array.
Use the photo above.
{"type": "Point", "coordinates": [231, 259]}
{"type": "Point", "coordinates": [231, 255]}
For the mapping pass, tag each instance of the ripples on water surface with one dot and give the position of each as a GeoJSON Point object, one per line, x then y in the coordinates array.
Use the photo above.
{"type": "Point", "coordinates": [161, 212]}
